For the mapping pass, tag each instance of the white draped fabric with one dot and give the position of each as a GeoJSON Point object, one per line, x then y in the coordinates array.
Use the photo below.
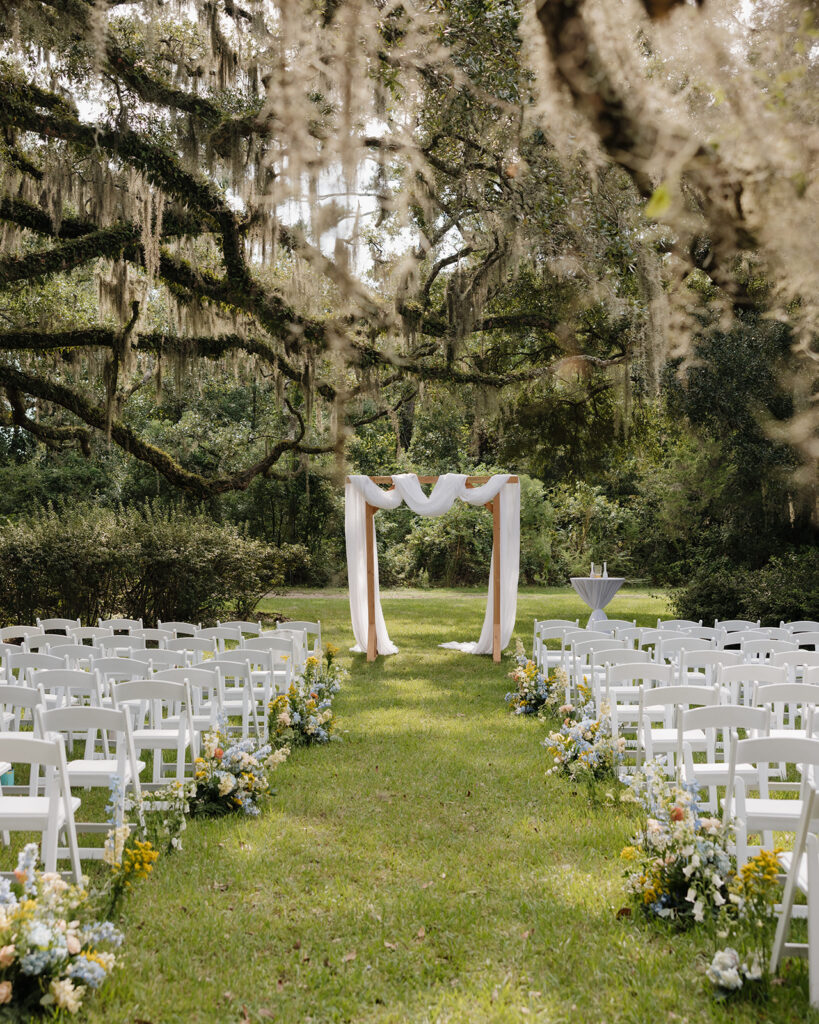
{"type": "Point", "coordinates": [361, 491]}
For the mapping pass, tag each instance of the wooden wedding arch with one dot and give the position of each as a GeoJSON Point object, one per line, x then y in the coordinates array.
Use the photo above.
{"type": "Point", "coordinates": [493, 506]}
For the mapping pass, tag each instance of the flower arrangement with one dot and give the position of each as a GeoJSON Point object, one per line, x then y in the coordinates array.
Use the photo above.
{"type": "Point", "coordinates": [678, 865]}
{"type": "Point", "coordinates": [48, 958]}
{"type": "Point", "coordinates": [304, 714]}
{"type": "Point", "coordinates": [535, 690]}
{"type": "Point", "coordinates": [748, 920]}
{"type": "Point", "coordinates": [233, 777]}
{"type": "Point", "coordinates": [164, 813]}
{"type": "Point", "coordinates": [584, 747]}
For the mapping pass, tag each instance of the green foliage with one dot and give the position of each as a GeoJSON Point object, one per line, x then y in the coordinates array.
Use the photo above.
{"type": "Point", "coordinates": [87, 562]}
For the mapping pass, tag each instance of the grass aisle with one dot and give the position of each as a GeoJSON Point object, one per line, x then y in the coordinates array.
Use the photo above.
{"type": "Point", "coordinates": [422, 870]}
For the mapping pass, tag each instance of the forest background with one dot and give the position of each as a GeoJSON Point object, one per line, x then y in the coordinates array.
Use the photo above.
{"type": "Point", "coordinates": [529, 337]}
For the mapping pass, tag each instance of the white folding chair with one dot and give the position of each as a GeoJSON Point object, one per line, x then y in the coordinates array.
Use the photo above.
{"type": "Point", "coordinates": [20, 666]}
{"type": "Point", "coordinates": [718, 722]}
{"type": "Point", "coordinates": [299, 638]}
{"type": "Point", "coordinates": [15, 701]}
{"type": "Point", "coordinates": [207, 693]}
{"type": "Point", "coordinates": [162, 721]}
{"type": "Point", "coordinates": [663, 705]}
{"type": "Point", "coordinates": [50, 812]}
{"type": "Point", "coordinates": [96, 769]}
{"type": "Point", "coordinates": [553, 628]}
{"type": "Point", "coordinates": [792, 706]}
{"type": "Point", "coordinates": [763, 814]}
{"type": "Point", "coordinates": [237, 698]}
{"type": "Point", "coordinates": [624, 687]}
{"type": "Point", "coordinates": [802, 873]}
{"type": "Point", "coordinates": [312, 629]}
{"type": "Point", "coordinates": [75, 655]}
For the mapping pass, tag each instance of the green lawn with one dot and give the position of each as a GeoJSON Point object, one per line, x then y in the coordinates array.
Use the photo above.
{"type": "Point", "coordinates": [422, 870]}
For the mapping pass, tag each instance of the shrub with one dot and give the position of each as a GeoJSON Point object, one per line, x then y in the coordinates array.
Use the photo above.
{"type": "Point", "coordinates": [715, 590]}
{"type": "Point", "coordinates": [90, 562]}
{"type": "Point", "coordinates": [787, 588]}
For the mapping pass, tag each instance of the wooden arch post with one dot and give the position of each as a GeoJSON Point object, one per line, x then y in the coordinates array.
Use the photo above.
{"type": "Point", "coordinates": [493, 506]}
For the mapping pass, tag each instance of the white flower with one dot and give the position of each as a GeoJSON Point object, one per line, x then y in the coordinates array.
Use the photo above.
{"type": "Point", "coordinates": [724, 969]}
{"type": "Point", "coordinates": [699, 911]}
{"type": "Point", "coordinates": [66, 996]}
{"type": "Point", "coordinates": [227, 784]}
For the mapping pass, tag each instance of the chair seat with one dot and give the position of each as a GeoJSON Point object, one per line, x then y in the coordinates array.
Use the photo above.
{"type": "Point", "coordinates": [96, 771]}
{"type": "Point", "coordinates": [715, 773]}
{"type": "Point", "coordinates": [158, 738]}
{"type": "Point", "coordinates": [666, 739]}
{"type": "Point", "coordinates": [770, 814]}
{"type": "Point", "coordinates": [22, 813]}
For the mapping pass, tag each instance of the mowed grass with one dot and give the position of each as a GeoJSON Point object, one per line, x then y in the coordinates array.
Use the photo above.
{"type": "Point", "coordinates": [422, 870]}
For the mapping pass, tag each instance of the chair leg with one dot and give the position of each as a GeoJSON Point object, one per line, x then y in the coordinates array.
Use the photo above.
{"type": "Point", "coordinates": [813, 918]}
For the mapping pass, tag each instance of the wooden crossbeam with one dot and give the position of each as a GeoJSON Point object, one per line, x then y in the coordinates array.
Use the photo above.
{"type": "Point", "coordinates": [492, 506]}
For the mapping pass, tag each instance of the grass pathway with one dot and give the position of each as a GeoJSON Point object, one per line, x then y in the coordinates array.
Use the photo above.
{"type": "Point", "coordinates": [422, 870]}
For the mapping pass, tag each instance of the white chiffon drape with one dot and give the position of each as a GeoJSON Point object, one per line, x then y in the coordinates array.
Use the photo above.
{"type": "Point", "coordinates": [361, 491]}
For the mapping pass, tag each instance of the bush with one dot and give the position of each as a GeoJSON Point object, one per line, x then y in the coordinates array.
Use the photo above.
{"type": "Point", "coordinates": [715, 590]}
{"type": "Point", "coordinates": [89, 562]}
{"type": "Point", "coordinates": [786, 587]}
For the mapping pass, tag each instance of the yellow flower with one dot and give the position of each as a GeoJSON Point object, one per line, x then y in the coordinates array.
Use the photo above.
{"type": "Point", "coordinates": [628, 853]}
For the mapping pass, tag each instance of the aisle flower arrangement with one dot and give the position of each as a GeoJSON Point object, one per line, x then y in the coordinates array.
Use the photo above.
{"type": "Point", "coordinates": [304, 715]}
{"type": "Point", "coordinates": [535, 691]}
{"type": "Point", "coordinates": [748, 921]}
{"type": "Point", "coordinates": [49, 958]}
{"type": "Point", "coordinates": [678, 865]}
{"type": "Point", "coordinates": [232, 777]}
{"type": "Point", "coordinates": [583, 747]}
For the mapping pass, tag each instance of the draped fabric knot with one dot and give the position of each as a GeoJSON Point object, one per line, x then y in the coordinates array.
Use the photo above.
{"type": "Point", "coordinates": [361, 491]}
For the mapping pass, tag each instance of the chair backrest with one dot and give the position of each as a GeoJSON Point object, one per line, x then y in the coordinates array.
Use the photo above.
{"type": "Point", "coordinates": [120, 625]}
{"type": "Point", "coordinates": [203, 677]}
{"type": "Point", "coordinates": [92, 633]}
{"type": "Point", "coordinates": [734, 625]}
{"type": "Point", "coordinates": [539, 624]}
{"type": "Point", "coordinates": [759, 650]}
{"type": "Point", "coordinates": [69, 682]}
{"type": "Point", "coordinates": [18, 632]}
{"type": "Point", "coordinates": [811, 674]}
{"type": "Point", "coordinates": [764, 751]}
{"type": "Point", "coordinates": [654, 637]}
{"type": "Point", "coordinates": [159, 659]}
{"type": "Point", "coordinates": [647, 673]}
{"type": "Point", "coordinates": [77, 654]}
{"type": "Point", "coordinates": [39, 642]}
{"type": "Point", "coordinates": [109, 669]}
{"type": "Point", "coordinates": [58, 625]}
{"type": "Point", "coordinates": [14, 698]}
{"type": "Point", "coordinates": [772, 633]}
{"type": "Point", "coordinates": [282, 644]}
{"type": "Point", "coordinates": [724, 716]}
{"type": "Point", "coordinates": [25, 748]}
{"type": "Point", "coordinates": [801, 626]}
{"type": "Point", "coordinates": [180, 628]}
{"type": "Point", "coordinates": [80, 718]}
{"type": "Point", "coordinates": [710, 658]}
{"type": "Point", "coordinates": [704, 633]}
{"type": "Point", "coordinates": [191, 645]}
{"type": "Point", "coordinates": [673, 648]}
{"type": "Point", "coordinates": [234, 672]}
{"type": "Point", "coordinates": [59, 640]}
{"type": "Point", "coordinates": [679, 696]}
{"type": "Point", "coordinates": [157, 636]}
{"type": "Point", "coordinates": [797, 698]}
{"type": "Point", "coordinates": [807, 639]}
{"type": "Point", "coordinates": [124, 642]}
{"type": "Point", "coordinates": [587, 648]}
{"type": "Point", "coordinates": [221, 633]}
{"type": "Point", "coordinates": [165, 691]}
{"type": "Point", "coordinates": [254, 628]}
{"type": "Point", "coordinates": [23, 663]}
{"type": "Point", "coordinates": [746, 676]}
{"type": "Point", "coordinates": [677, 623]}
{"type": "Point", "coordinates": [795, 659]}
